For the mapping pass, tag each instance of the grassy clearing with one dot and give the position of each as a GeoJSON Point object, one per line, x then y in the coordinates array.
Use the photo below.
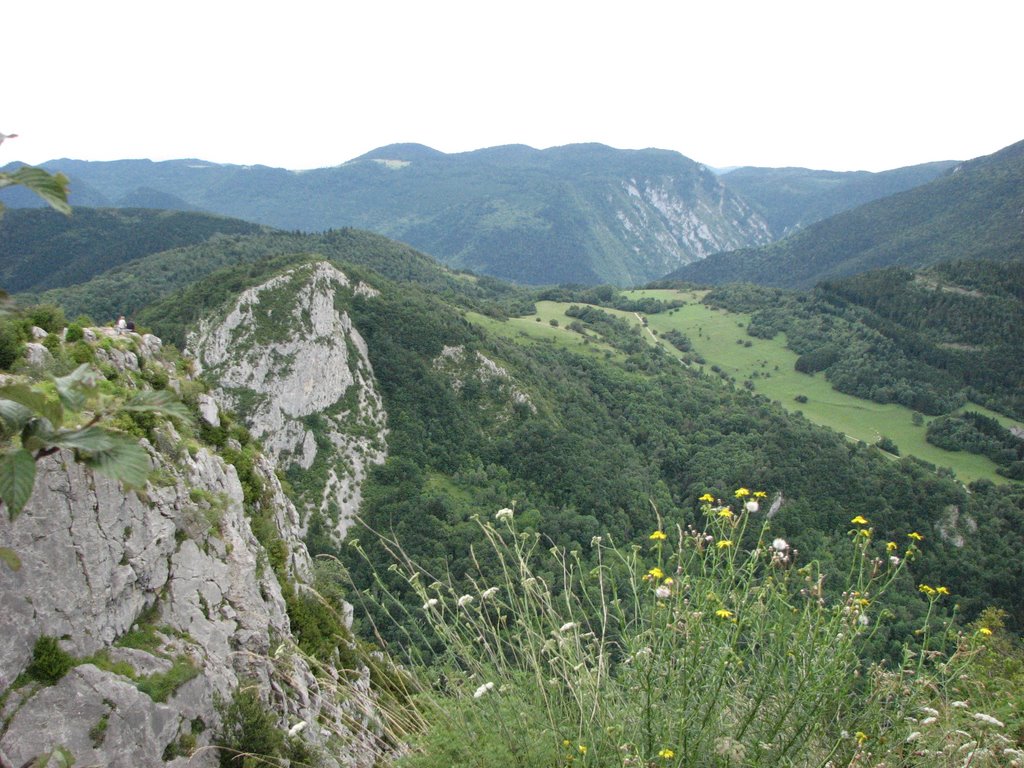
{"type": "Point", "coordinates": [720, 337]}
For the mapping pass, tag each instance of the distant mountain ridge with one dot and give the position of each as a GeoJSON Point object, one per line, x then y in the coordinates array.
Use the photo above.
{"type": "Point", "coordinates": [976, 211]}
{"type": "Point", "coordinates": [583, 213]}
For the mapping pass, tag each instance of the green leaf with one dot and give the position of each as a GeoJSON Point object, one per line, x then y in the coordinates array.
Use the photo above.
{"type": "Point", "coordinates": [13, 416]}
{"type": "Point", "coordinates": [125, 460]}
{"type": "Point", "coordinates": [159, 401]}
{"type": "Point", "coordinates": [17, 476]}
{"type": "Point", "coordinates": [72, 389]}
{"type": "Point", "coordinates": [37, 402]}
{"type": "Point", "coordinates": [92, 439]}
{"type": "Point", "coordinates": [53, 188]}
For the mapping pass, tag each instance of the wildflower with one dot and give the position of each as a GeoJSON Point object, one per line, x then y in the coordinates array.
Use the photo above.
{"type": "Point", "coordinates": [482, 690]}
{"type": "Point", "coordinates": [298, 728]}
{"type": "Point", "coordinates": [929, 720]}
{"type": "Point", "coordinates": [707, 497]}
{"type": "Point", "coordinates": [430, 604]}
{"type": "Point", "coordinates": [926, 590]}
{"type": "Point", "coordinates": [988, 719]}
{"type": "Point", "coordinates": [566, 742]}
{"type": "Point", "coordinates": [760, 495]}
{"type": "Point", "coordinates": [655, 573]}
{"type": "Point", "coordinates": [742, 493]}
{"type": "Point", "coordinates": [894, 561]}
{"type": "Point", "coordinates": [751, 506]}
{"type": "Point", "coordinates": [942, 590]}
{"type": "Point", "coordinates": [915, 536]}
{"type": "Point", "coordinates": [724, 544]}
{"type": "Point", "coordinates": [582, 748]}
{"type": "Point", "coordinates": [860, 736]}
{"type": "Point", "coordinates": [780, 545]}
{"type": "Point", "coordinates": [863, 620]}
{"type": "Point", "coordinates": [488, 593]}
{"type": "Point", "coordinates": [959, 705]}
{"type": "Point", "coordinates": [859, 520]}
{"type": "Point", "coordinates": [985, 631]}
{"type": "Point", "coordinates": [595, 541]}
{"type": "Point", "coordinates": [569, 625]}
{"type": "Point", "coordinates": [892, 546]}
{"type": "Point", "coordinates": [504, 514]}
{"type": "Point", "coordinates": [658, 536]}
{"type": "Point", "coordinates": [666, 754]}
{"type": "Point", "coordinates": [725, 512]}
{"type": "Point", "coordinates": [724, 613]}
{"type": "Point", "coordinates": [465, 600]}
{"type": "Point", "coordinates": [668, 581]}
{"type": "Point", "coordinates": [663, 592]}
{"type": "Point", "coordinates": [930, 711]}
{"type": "Point", "coordinates": [913, 737]}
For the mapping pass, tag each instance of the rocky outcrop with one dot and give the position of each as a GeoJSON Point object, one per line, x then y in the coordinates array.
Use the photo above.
{"type": "Point", "coordinates": [286, 357]}
{"type": "Point", "coordinates": [168, 570]}
{"type": "Point", "coordinates": [167, 604]}
{"type": "Point", "coordinates": [463, 367]}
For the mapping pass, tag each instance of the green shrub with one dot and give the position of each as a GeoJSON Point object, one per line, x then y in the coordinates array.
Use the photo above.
{"type": "Point", "coordinates": [49, 661]}
{"type": "Point", "coordinates": [248, 728]}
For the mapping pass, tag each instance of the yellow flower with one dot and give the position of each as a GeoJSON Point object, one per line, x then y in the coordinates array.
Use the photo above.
{"type": "Point", "coordinates": [742, 493]}
{"type": "Point", "coordinates": [892, 546]}
{"type": "Point", "coordinates": [859, 520]}
{"type": "Point", "coordinates": [723, 613]}
{"type": "Point", "coordinates": [668, 581]}
{"type": "Point", "coordinates": [861, 737]}
{"type": "Point", "coordinates": [865, 532]}
{"type": "Point", "coordinates": [566, 742]}
{"type": "Point", "coordinates": [656, 573]}
{"type": "Point", "coordinates": [582, 748]}
{"type": "Point", "coordinates": [760, 495]}
{"type": "Point", "coordinates": [658, 536]}
{"type": "Point", "coordinates": [724, 544]}
{"type": "Point", "coordinates": [725, 512]}
{"type": "Point", "coordinates": [915, 536]}
{"type": "Point", "coordinates": [985, 631]}
{"type": "Point", "coordinates": [707, 497]}
{"type": "Point", "coordinates": [926, 589]}
{"type": "Point", "coordinates": [942, 590]}
{"type": "Point", "coordinates": [666, 754]}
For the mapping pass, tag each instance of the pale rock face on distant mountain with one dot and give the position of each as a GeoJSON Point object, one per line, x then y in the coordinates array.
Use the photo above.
{"type": "Point", "coordinates": [287, 358]}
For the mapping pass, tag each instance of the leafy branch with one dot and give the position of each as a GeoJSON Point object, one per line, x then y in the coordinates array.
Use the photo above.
{"type": "Point", "coordinates": [32, 426]}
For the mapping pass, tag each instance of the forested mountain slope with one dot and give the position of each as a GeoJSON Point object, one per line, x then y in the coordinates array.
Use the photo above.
{"type": "Point", "coordinates": [793, 198]}
{"type": "Point", "coordinates": [581, 213]}
{"type": "Point", "coordinates": [972, 212]}
{"type": "Point", "coordinates": [41, 249]}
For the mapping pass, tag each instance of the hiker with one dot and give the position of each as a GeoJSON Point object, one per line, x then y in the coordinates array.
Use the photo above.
{"type": "Point", "coordinates": [121, 325]}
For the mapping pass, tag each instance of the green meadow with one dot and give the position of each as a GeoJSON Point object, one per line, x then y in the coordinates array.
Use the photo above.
{"type": "Point", "coordinates": [720, 338]}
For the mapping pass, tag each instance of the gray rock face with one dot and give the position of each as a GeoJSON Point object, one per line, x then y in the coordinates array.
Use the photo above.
{"type": "Point", "coordinates": [92, 561]}
{"type": "Point", "coordinates": [284, 352]}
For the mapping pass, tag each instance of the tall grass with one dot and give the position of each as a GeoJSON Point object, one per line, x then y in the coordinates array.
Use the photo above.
{"type": "Point", "coordinates": [709, 647]}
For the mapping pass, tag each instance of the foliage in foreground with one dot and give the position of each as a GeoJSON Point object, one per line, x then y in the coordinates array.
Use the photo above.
{"type": "Point", "coordinates": [698, 647]}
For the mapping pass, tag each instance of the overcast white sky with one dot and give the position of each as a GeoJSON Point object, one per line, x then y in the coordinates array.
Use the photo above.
{"type": "Point", "coordinates": [302, 84]}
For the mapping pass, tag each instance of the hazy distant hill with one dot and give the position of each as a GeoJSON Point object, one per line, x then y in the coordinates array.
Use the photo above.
{"type": "Point", "coordinates": [582, 213]}
{"type": "Point", "coordinates": [975, 211]}
{"type": "Point", "coordinates": [42, 249]}
{"type": "Point", "coordinates": [793, 198]}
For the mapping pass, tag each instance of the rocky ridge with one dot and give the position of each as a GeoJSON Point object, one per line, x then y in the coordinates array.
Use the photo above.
{"type": "Point", "coordinates": [167, 604]}
{"type": "Point", "coordinates": [286, 357]}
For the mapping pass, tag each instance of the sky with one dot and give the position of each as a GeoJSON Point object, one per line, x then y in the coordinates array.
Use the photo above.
{"type": "Point", "coordinates": [829, 84]}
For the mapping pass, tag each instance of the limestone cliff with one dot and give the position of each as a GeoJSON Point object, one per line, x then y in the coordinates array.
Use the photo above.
{"type": "Point", "coordinates": [167, 603]}
{"type": "Point", "coordinates": [286, 357]}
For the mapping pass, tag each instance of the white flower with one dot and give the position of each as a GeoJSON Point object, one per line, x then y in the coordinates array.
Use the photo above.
{"type": "Point", "coordinates": [465, 600]}
{"type": "Point", "coordinates": [780, 545]}
{"type": "Point", "coordinates": [488, 593]}
{"type": "Point", "coordinates": [504, 514]}
{"type": "Point", "coordinates": [928, 720]}
{"type": "Point", "coordinates": [893, 560]}
{"type": "Point", "coordinates": [569, 625]}
{"type": "Point", "coordinates": [863, 620]}
{"type": "Point", "coordinates": [913, 737]}
{"type": "Point", "coordinates": [751, 506]}
{"type": "Point", "coordinates": [930, 711]}
{"type": "Point", "coordinates": [959, 705]}
{"type": "Point", "coordinates": [482, 690]}
{"type": "Point", "coordinates": [430, 604]}
{"type": "Point", "coordinates": [988, 719]}
{"type": "Point", "coordinates": [298, 728]}
{"type": "Point", "coordinates": [663, 592]}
